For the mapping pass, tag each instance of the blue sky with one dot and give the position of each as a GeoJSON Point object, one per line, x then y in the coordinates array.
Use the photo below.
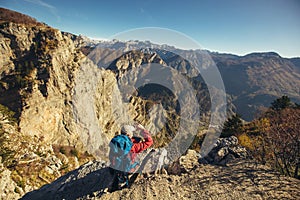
{"type": "Point", "coordinates": [233, 26]}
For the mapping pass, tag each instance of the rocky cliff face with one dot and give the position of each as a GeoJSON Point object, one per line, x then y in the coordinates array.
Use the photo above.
{"type": "Point", "coordinates": [66, 108]}
{"type": "Point", "coordinates": [40, 68]}
{"type": "Point", "coordinates": [28, 162]}
{"type": "Point", "coordinates": [37, 75]}
{"type": "Point", "coordinates": [41, 141]}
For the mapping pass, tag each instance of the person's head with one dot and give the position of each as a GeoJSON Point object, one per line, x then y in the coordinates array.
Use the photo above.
{"type": "Point", "coordinates": [128, 130]}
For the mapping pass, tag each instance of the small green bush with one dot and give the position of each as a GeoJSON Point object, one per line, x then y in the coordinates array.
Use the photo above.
{"type": "Point", "coordinates": [74, 152]}
{"type": "Point", "coordinates": [62, 150]}
{"type": "Point", "coordinates": [7, 113]}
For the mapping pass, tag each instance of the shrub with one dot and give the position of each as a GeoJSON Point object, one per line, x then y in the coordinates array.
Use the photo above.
{"type": "Point", "coordinates": [9, 114]}
{"type": "Point", "coordinates": [74, 152]}
{"type": "Point", "coordinates": [281, 103]}
{"type": "Point", "coordinates": [12, 16]}
{"type": "Point", "coordinates": [62, 150]}
{"type": "Point", "coordinates": [283, 139]}
{"type": "Point", "coordinates": [246, 141]}
{"type": "Point", "coordinates": [233, 126]}
{"type": "Point", "coordinates": [276, 139]}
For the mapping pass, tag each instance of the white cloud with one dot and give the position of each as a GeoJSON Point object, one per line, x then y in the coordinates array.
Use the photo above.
{"type": "Point", "coordinates": [41, 3]}
{"type": "Point", "coordinates": [51, 8]}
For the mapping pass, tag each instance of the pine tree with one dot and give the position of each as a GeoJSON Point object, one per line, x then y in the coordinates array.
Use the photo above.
{"type": "Point", "coordinates": [281, 103]}
{"type": "Point", "coordinates": [232, 126]}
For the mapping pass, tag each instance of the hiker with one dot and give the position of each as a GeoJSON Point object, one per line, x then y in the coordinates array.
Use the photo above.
{"type": "Point", "coordinates": [123, 151]}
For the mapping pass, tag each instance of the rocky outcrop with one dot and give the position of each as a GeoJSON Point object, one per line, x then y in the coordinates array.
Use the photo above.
{"type": "Point", "coordinates": [184, 164]}
{"type": "Point", "coordinates": [133, 59]}
{"type": "Point", "coordinates": [249, 181]}
{"type": "Point", "coordinates": [241, 180]}
{"type": "Point", "coordinates": [225, 150]}
{"type": "Point", "coordinates": [41, 72]}
{"type": "Point", "coordinates": [94, 179]}
{"type": "Point", "coordinates": [8, 187]}
{"type": "Point", "coordinates": [28, 162]}
{"type": "Point", "coordinates": [90, 179]}
{"type": "Point", "coordinates": [38, 75]}
{"type": "Point", "coordinates": [39, 67]}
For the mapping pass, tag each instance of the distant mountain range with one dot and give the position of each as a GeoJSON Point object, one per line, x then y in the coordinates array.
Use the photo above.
{"type": "Point", "coordinates": [257, 79]}
{"type": "Point", "coordinates": [252, 81]}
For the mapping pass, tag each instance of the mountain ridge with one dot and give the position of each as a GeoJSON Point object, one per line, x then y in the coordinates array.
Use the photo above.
{"type": "Point", "coordinates": [259, 77]}
{"type": "Point", "coordinates": [7, 15]}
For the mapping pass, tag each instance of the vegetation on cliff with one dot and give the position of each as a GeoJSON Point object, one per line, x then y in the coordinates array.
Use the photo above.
{"type": "Point", "coordinates": [273, 138]}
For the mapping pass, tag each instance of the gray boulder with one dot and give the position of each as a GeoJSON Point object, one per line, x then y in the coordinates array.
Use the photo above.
{"type": "Point", "coordinates": [91, 179]}
{"type": "Point", "coordinates": [224, 151]}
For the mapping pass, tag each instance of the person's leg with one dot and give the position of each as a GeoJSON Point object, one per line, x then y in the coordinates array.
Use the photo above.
{"type": "Point", "coordinates": [115, 182]}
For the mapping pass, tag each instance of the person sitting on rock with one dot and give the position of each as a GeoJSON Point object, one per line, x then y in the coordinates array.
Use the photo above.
{"type": "Point", "coordinates": [123, 151]}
